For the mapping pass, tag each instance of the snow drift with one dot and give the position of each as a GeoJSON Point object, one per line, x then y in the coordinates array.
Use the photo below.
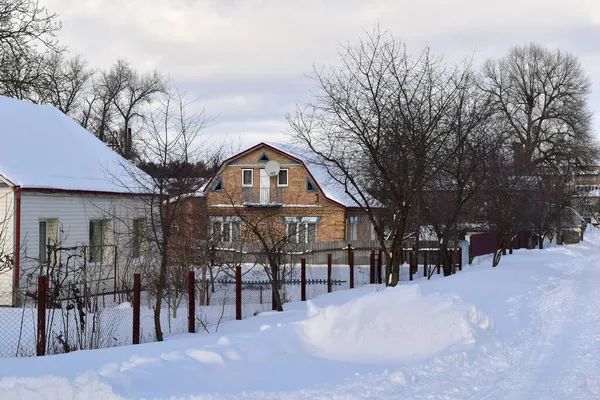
{"type": "Point", "coordinates": [395, 325]}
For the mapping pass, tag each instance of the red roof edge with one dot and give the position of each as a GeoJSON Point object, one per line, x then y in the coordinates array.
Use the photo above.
{"type": "Point", "coordinates": [77, 191]}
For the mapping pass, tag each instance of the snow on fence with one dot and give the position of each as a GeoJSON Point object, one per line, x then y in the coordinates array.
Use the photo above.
{"type": "Point", "coordinates": [51, 320]}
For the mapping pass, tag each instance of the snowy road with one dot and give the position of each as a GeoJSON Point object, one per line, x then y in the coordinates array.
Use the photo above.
{"type": "Point", "coordinates": [529, 329]}
{"type": "Point", "coordinates": [562, 361]}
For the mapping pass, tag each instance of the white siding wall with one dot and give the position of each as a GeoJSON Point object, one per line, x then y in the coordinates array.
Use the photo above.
{"type": "Point", "coordinates": [6, 241]}
{"type": "Point", "coordinates": [74, 213]}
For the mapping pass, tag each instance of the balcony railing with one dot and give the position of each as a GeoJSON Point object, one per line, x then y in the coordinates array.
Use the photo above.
{"type": "Point", "coordinates": [263, 197]}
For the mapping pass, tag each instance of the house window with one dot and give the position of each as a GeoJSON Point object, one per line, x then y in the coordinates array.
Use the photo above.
{"type": "Point", "coordinates": [100, 235]}
{"type": "Point", "coordinates": [48, 236]}
{"type": "Point", "coordinates": [226, 229]}
{"type": "Point", "coordinates": [96, 240]}
{"type": "Point", "coordinates": [301, 232]}
{"type": "Point", "coordinates": [139, 237]}
{"type": "Point", "coordinates": [353, 228]}
{"type": "Point", "coordinates": [219, 186]}
{"type": "Point", "coordinates": [247, 177]}
{"type": "Point", "coordinates": [282, 178]}
{"type": "Point", "coordinates": [310, 186]}
{"type": "Point", "coordinates": [373, 233]}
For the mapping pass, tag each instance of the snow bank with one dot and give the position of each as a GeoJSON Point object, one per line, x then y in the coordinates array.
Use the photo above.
{"type": "Point", "coordinates": [395, 325]}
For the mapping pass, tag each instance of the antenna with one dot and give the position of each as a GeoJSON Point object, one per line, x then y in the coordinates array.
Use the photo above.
{"type": "Point", "coordinates": [272, 168]}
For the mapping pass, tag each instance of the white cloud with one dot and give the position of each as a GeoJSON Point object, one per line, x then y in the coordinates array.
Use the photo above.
{"type": "Point", "coordinates": [247, 58]}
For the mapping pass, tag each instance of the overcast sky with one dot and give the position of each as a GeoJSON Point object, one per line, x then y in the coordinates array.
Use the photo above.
{"type": "Point", "coordinates": [247, 60]}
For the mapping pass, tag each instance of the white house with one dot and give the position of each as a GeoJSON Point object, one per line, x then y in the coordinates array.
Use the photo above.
{"type": "Point", "coordinates": [61, 186]}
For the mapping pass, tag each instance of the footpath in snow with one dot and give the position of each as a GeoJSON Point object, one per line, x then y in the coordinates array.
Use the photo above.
{"type": "Point", "coordinates": [528, 329]}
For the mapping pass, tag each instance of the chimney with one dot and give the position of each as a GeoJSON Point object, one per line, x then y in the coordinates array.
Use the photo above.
{"type": "Point", "coordinates": [518, 157]}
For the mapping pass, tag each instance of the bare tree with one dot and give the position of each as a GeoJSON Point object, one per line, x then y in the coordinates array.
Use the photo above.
{"type": "Point", "coordinates": [25, 23]}
{"type": "Point", "coordinates": [64, 82]}
{"type": "Point", "coordinates": [541, 99]}
{"type": "Point", "coordinates": [171, 141]}
{"type": "Point", "coordinates": [262, 228]}
{"type": "Point", "coordinates": [378, 122]}
{"type": "Point", "coordinates": [462, 168]}
{"type": "Point", "coordinates": [27, 32]}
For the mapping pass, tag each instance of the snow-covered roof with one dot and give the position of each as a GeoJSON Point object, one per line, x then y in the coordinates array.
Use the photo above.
{"type": "Point", "coordinates": [46, 149]}
{"type": "Point", "coordinates": [332, 188]}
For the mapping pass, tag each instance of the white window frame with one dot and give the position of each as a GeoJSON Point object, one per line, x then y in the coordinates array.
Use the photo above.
{"type": "Point", "coordinates": [251, 184]}
{"type": "Point", "coordinates": [139, 236]}
{"type": "Point", "coordinates": [287, 171]}
{"type": "Point", "coordinates": [48, 237]}
{"type": "Point", "coordinates": [230, 221]}
{"type": "Point", "coordinates": [301, 225]}
{"type": "Point", "coordinates": [100, 252]}
{"type": "Point", "coordinates": [353, 227]}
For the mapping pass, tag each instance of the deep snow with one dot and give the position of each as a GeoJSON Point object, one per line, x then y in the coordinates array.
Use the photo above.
{"type": "Point", "coordinates": [527, 329]}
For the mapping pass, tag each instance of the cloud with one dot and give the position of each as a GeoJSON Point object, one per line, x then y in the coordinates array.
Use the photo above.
{"type": "Point", "coordinates": [247, 60]}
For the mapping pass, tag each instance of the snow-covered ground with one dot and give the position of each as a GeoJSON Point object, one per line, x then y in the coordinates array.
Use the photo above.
{"type": "Point", "coordinates": [528, 329]}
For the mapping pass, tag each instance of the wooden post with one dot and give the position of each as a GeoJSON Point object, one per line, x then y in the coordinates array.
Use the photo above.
{"type": "Point", "coordinates": [351, 265]}
{"type": "Point", "coordinates": [425, 263]}
{"type": "Point", "coordinates": [303, 279]}
{"type": "Point", "coordinates": [238, 292]}
{"type": "Point", "coordinates": [439, 260]}
{"type": "Point", "coordinates": [329, 267]}
{"type": "Point", "coordinates": [191, 302]}
{"type": "Point", "coordinates": [460, 262]}
{"type": "Point", "coordinates": [41, 315]}
{"type": "Point", "coordinates": [372, 268]}
{"type": "Point", "coordinates": [137, 290]}
{"type": "Point", "coordinates": [379, 265]}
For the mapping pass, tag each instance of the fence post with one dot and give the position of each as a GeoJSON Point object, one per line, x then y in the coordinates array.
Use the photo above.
{"type": "Point", "coordinates": [303, 279]}
{"type": "Point", "coordinates": [351, 265]}
{"type": "Point", "coordinates": [439, 260]}
{"type": "Point", "coordinates": [379, 265]}
{"type": "Point", "coordinates": [460, 262]}
{"type": "Point", "coordinates": [425, 263]}
{"type": "Point", "coordinates": [191, 302]}
{"type": "Point", "coordinates": [410, 266]}
{"type": "Point", "coordinates": [238, 292]}
{"type": "Point", "coordinates": [372, 267]}
{"type": "Point", "coordinates": [41, 315]}
{"type": "Point", "coordinates": [329, 271]}
{"type": "Point", "coordinates": [137, 289]}
{"type": "Point", "coordinates": [451, 256]}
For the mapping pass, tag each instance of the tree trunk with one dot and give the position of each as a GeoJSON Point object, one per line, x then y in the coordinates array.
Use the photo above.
{"type": "Point", "coordinates": [203, 287]}
{"type": "Point", "coordinates": [159, 295]}
{"type": "Point", "coordinates": [274, 286]}
{"type": "Point", "coordinates": [541, 242]}
{"type": "Point", "coordinates": [395, 265]}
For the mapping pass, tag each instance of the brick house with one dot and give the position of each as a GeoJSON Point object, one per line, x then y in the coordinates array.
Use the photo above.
{"type": "Point", "coordinates": [308, 205]}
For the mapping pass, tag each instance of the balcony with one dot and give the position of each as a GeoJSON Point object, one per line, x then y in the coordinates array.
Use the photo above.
{"type": "Point", "coordinates": [262, 197]}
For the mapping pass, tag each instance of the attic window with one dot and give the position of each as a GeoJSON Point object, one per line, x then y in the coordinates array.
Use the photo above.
{"type": "Point", "coordinates": [219, 186]}
{"type": "Point", "coordinates": [264, 157]}
{"type": "Point", "coordinates": [310, 187]}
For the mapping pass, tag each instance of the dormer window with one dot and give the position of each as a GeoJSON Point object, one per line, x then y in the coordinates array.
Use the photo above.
{"type": "Point", "coordinates": [219, 186]}
{"type": "Point", "coordinates": [310, 186]}
{"type": "Point", "coordinates": [264, 158]}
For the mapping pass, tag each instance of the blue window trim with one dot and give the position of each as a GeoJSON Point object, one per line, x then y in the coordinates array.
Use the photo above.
{"type": "Point", "coordinates": [219, 182]}
{"type": "Point", "coordinates": [264, 158]}
{"type": "Point", "coordinates": [310, 182]}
